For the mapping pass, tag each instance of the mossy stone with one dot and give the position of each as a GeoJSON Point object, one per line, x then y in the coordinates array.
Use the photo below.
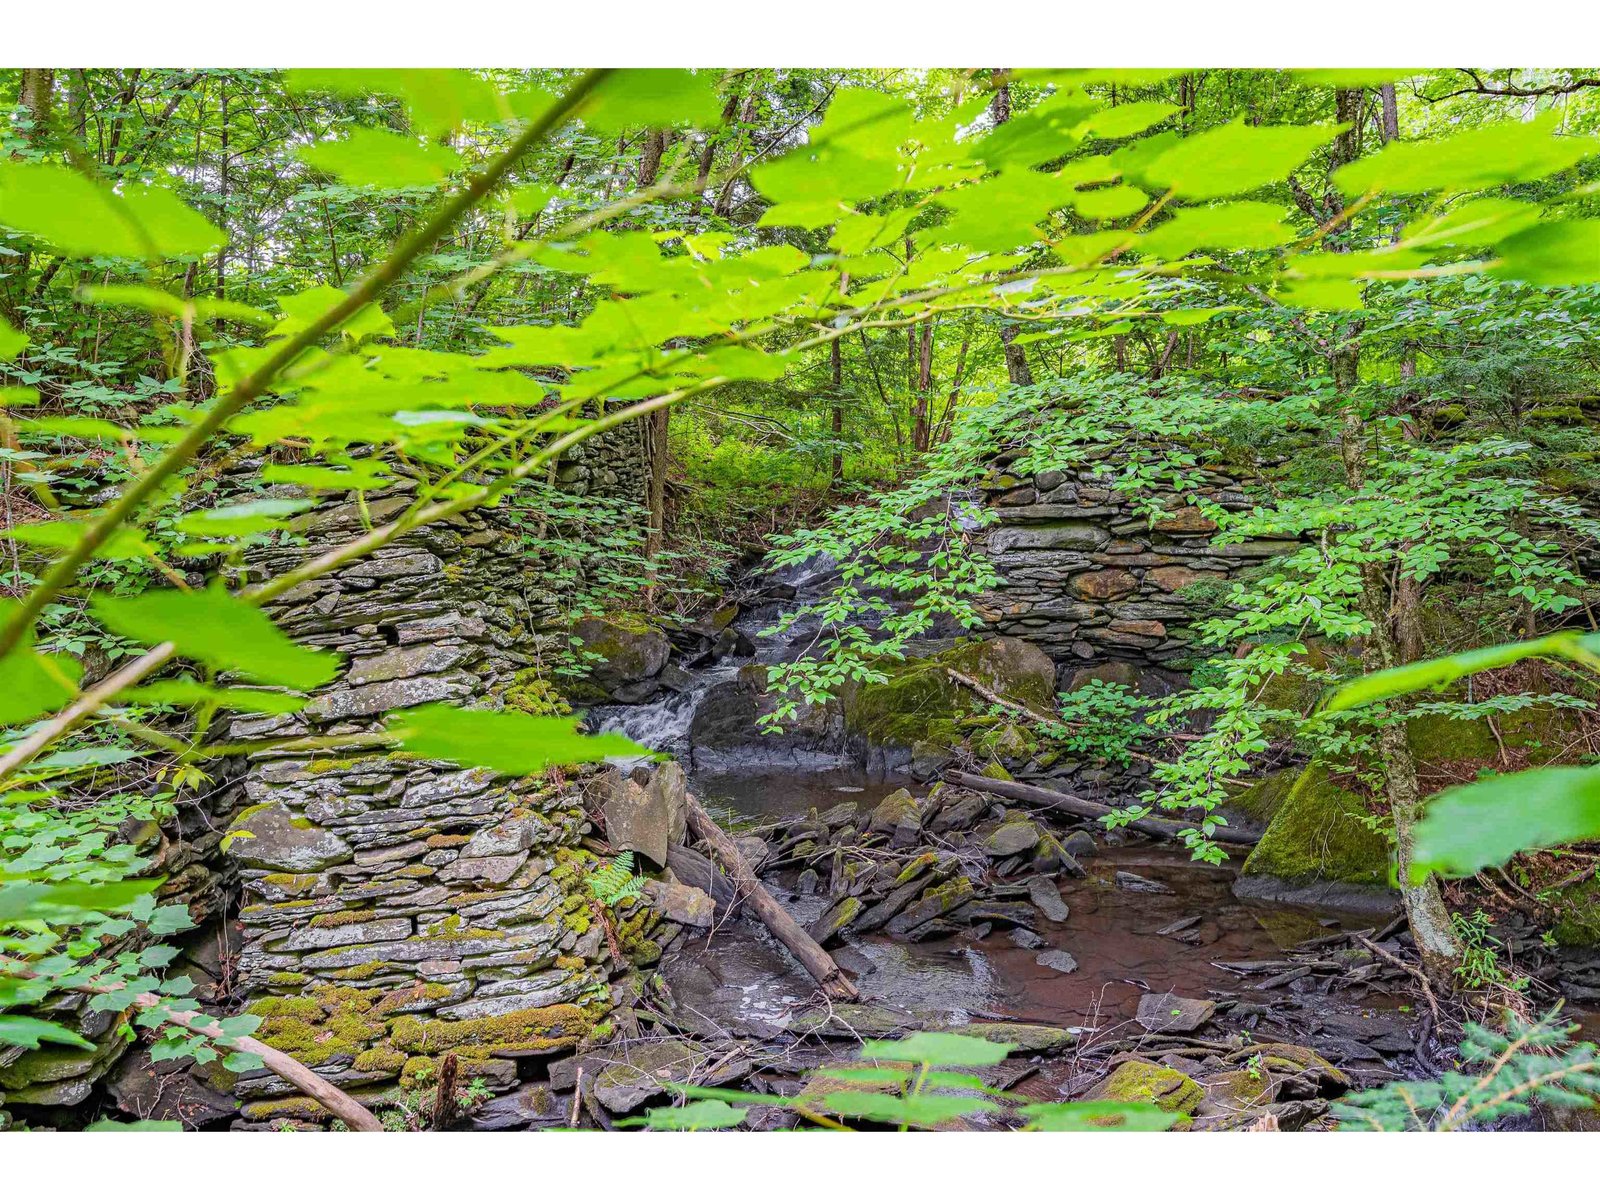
{"type": "Point", "coordinates": [1139, 1082]}
{"type": "Point", "coordinates": [1316, 831]}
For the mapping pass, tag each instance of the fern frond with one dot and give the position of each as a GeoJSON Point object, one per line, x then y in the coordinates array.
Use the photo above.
{"type": "Point", "coordinates": [616, 882]}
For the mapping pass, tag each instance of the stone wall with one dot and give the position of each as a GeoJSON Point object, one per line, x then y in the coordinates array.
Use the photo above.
{"type": "Point", "coordinates": [394, 909]}
{"type": "Point", "coordinates": [1091, 582]}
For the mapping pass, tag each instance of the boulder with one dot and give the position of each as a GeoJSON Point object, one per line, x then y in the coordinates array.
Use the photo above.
{"type": "Point", "coordinates": [681, 903]}
{"type": "Point", "coordinates": [629, 647]}
{"type": "Point", "coordinates": [648, 818]}
{"type": "Point", "coordinates": [1016, 834]}
{"type": "Point", "coordinates": [642, 1070]}
{"type": "Point", "coordinates": [1058, 960]}
{"type": "Point", "coordinates": [1318, 846]}
{"type": "Point", "coordinates": [1140, 1082]}
{"type": "Point", "coordinates": [1046, 896]}
{"type": "Point", "coordinates": [899, 817]}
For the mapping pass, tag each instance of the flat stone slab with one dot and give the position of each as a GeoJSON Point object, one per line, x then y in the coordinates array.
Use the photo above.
{"type": "Point", "coordinates": [1047, 899]}
{"type": "Point", "coordinates": [1058, 960]}
{"type": "Point", "coordinates": [1166, 1013]}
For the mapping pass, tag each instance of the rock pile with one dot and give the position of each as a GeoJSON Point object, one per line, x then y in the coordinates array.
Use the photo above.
{"type": "Point", "coordinates": [924, 869]}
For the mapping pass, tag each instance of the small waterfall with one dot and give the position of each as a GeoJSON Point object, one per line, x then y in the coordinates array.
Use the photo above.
{"type": "Point", "coordinates": [662, 725]}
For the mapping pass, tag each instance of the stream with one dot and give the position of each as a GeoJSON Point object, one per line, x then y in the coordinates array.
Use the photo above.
{"type": "Point", "coordinates": [1126, 943]}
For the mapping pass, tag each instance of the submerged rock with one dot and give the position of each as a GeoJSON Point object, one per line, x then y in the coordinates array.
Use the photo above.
{"type": "Point", "coordinates": [1058, 960]}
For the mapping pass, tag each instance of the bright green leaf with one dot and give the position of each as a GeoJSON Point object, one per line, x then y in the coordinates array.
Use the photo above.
{"type": "Point", "coordinates": [219, 630]}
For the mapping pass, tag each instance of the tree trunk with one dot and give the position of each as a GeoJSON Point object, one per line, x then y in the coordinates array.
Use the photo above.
{"type": "Point", "coordinates": [836, 380]}
{"type": "Point", "coordinates": [1424, 902]}
{"type": "Point", "coordinates": [657, 424]}
{"type": "Point", "coordinates": [1017, 369]}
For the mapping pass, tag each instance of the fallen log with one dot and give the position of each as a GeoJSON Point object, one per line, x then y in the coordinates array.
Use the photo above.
{"type": "Point", "coordinates": [1028, 793]}
{"type": "Point", "coordinates": [812, 957]}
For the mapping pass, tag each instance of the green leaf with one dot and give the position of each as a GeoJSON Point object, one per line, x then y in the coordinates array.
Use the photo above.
{"type": "Point", "coordinates": [1109, 203]}
{"type": "Point", "coordinates": [1479, 222]}
{"type": "Point", "coordinates": [381, 158]}
{"type": "Point", "coordinates": [188, 692]}
{"type": "Point", "coordinates": [653, 98]}
{"type": "Point", "coordinates": [62, 535]}
{"type": "Point", "coordinates": [28, 1032]}
{"type": "Point", "coordinates": [304, 308]}
{"type": "Point", "coordinates": [1235, 158]}
{"type": "Point", "coordinates": [1241, 225]}
{"type": "Point", "coordinates": [80, 216]}
{"type": "Point", "coordinates": [1502, 152]}
{"type": "Point", "coordinates": [509, 743]}
{"type": "Point", "coordinates": [1466, 829]}
{"type": "Point", "coordinates": [438, 99]}
{"type": "Point", "coordinates": [32, 684]}
{"type": "Point", "coordinates": [219, 630]}
{"type": "Point", "coordinates": [1125, 120]}
{"type": "Point", "coordinates": [1558, 254]}
{"type": "Point", "coordinates": [698, 1114]}
{"type": "Point", "coordinates": [1098, 1115]}
{"type": "Point", "coordinates": [12, 341]}
{"type": "Point", "coordinates": [940, 1049]}
{"type": "Point", "coordinates": [109, 1126]}
{"type": "Point", "coordinates": [924, 1111]}
{"type": "Point", "coordinates": [1437, 672]}
{"type": "Point", "coordinates": [237, 520]}
{"type": "Point", "coordinates": [69, 901]}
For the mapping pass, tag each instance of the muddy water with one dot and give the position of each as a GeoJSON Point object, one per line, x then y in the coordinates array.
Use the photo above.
{"type": "Point", "coordinates": [739, 975]}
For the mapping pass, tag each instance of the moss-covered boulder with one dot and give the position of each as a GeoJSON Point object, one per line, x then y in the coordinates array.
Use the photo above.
{"type": "Point", "coordinates": [1578, 915]}
{"type": "Point", "coordinates": [1319, 846]}
{"type": "Point", "coordinates": [1140, 1082]}
{"type": "Point", "coordinates": [920, 701]}
{"type": "Point", "coordinates": [628, 652]}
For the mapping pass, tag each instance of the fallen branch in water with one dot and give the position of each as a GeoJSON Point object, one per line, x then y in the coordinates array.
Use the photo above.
{"type": "Point", "coordinates": [1030, 794]}
{"type": "Point", "coordinates": [812, 957]}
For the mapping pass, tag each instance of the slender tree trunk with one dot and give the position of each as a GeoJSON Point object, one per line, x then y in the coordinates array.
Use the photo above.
{"type": "Point", "coordinates": [1017, 369]}
{"type": "Point", "coordinates": [1424, 903]}
{"type": "Point", "coordinates": [921, 428]}
{"type": "Point", "coordinates": [657, 424]}
{"type": "Point", "coordinates": [836, 380]}
{"type": "Point", "coordinates": [1396, 636]}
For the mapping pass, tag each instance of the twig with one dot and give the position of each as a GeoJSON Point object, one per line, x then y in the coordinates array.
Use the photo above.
{"type": "Point", "coordinates": [1392, 960]}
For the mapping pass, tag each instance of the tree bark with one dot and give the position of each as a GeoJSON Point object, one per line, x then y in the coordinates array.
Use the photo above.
{"type": "Point", "coordinates": [1017, 369]}
{"type": "Point", "coordinates": [658, 423]}
{"type": "Point", "coordinates": [817, 961]}
{"type": "Point", "coordinates": [836, 381]}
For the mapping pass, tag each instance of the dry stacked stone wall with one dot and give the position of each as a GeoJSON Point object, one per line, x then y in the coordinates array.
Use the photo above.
{"type": "Point", "coordinates": [394, 909]}
{"type": "Point", "coordinates": [1093, 583]}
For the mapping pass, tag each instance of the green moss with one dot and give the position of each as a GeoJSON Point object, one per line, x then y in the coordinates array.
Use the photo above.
{"type": "Point", "coordinates": [1137, 1082]}
{"type": "Point", "coordinates": [1578, 920]}
{"type": "Point", "coordinates": [446, 841]}
{"type": "Point", "coordinates": [364, 971]}
{"type": "Point", "coordinates": [335, 919]}
{"type": "Point", "coordinates": [326, 1023]}
{"type": "Point", "coordinates": [919, 701]}
{"type": "Point", "coordinates": [288, 1108]}
{"type": "Point", "coordinates": [287, 979]}
{"type": "Point", "coordinates": [533, 1030]}
{"type": "Point", "coordinates": [1316, 831]}
{"type": "Point", "coordinates": [532, 693]}
{"type": "Point", "coordinates": [385, 1059]}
